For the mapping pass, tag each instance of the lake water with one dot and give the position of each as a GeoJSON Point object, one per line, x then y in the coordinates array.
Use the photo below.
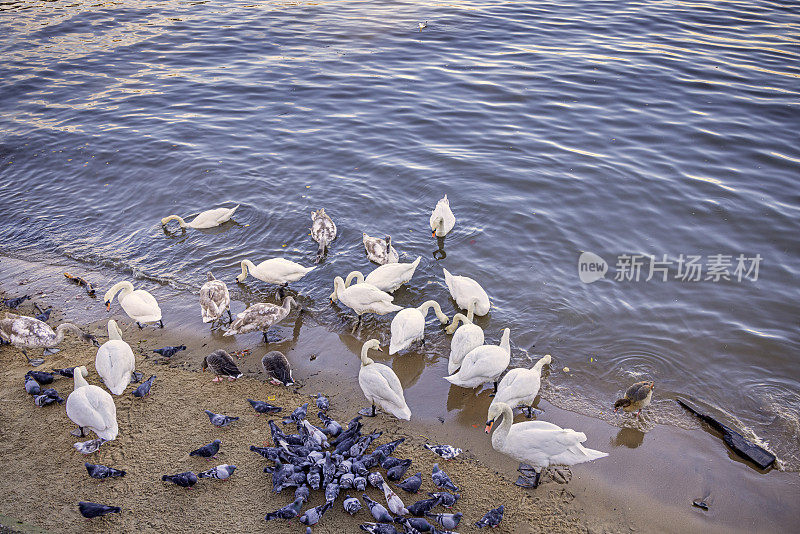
{"type": "Point", "coordinates": [555, 128]}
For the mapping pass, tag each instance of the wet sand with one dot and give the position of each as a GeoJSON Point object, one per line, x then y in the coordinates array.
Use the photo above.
{"type": "Point", "coordinates": [646, 484]}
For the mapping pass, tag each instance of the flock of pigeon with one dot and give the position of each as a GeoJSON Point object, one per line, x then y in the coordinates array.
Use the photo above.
{"type": "Point", "coordinates": [299, 458]}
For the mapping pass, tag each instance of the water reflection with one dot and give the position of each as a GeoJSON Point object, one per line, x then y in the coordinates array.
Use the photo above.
{"type": "Point", "coordinates": [628, 437]}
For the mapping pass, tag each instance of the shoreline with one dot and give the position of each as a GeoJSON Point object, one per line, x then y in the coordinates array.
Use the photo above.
{"type": "Point", "coordinates": [649, 489]}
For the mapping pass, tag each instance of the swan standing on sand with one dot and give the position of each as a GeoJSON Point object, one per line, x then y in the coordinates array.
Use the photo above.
{"type": "Point", "coordinates": [442, 218]}
{"type": "Point", "coordinates": [381, 385]}
{"type": "Point", "coordinates": [28, 333]}
{"type": "Point", "coordinates": [260, 317]}
{"type": "Point", "coordinates": [380, 250]}
{"type": "Point", "coordinates": [520, 386]}
{"type": "Point", "coordinates": [387, 277]}
{"type": "Point", "coordinates": [465, 291]}
{"type": "Point", "coordinates": [274, 271]}
{"type": "Point", "coordinates": [363, 298]}
{"type": "Point", "coordinates": [536, 443]}
{"type": "Point", "coordinates": [466, 337]}
{"type": "Point", "coordinates": [204, 219]}
{"type": "Point", "coordinates": [140, 305]}
{"type": "Point", "coordinates": [221, 364]}
{"type": "Point", "coordinates": [483, 364]}
{"type": "Point", "coordinates": [214, 300]}
{"type": "Point", "coordinates": [90, 407]}
{"type": "Point", "coordinates": [323, 231]}
{"type": "Point", "coordinates": [408, 325]}
{"type": "Point", "coordinates": [115, 361]}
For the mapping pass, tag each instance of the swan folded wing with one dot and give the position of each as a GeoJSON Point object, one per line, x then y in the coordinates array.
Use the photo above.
{"type": "Point", "coordinates": [141, 305]}
{"type": "Point", "coordinates": [282, 269]}
{"type": "Point", "coordinates": [488, 362]}
{"type": "Point", "coordinates": [95, 408]}
{"type": "Point", "coordinates": [367, 295]}
{"type": "Point", "coordinates": [550, 441]}
{"type": "Point", "coordinates": [382, 386]}
{"type": "Point", "coordinates": [515, 379]}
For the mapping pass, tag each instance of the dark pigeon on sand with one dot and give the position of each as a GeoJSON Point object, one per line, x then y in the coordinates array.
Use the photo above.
{"type": "Point", "coordinates": [264, 407]}
{"type": "Point", "coordinates": [302, 492]}
{"type": "Point", "coordinates": [45, 315]}
{"type": "Point", "coordinates": [32, 387]}
{"type": "Point", "coordinates": [91, 510]}
{"type": "Point", "coordinates": [101, 471]}
{"type": "Point", "coordinates": [418, 524]}
{"type": "Point", "coordinates": [186, 479]}
{"type": "Point", "coordinates": [351, 504]}
{"type": "Point", "coordinates": [441, 479]}
{"type": "Point", "coordinates": [446, 499]}
{"type": "Point", "coordinates": [420, 508]}
{"type": "Point", "coordinates": [169, 352]}
{"type": "Point", "coordinates": [379, 512]}
{"type": "Point", "coordinates": [492, 518]}
{"type": "Point", "coordinates": [289, 511]}
{"type": "Point", "coordinates": [220, 420]}
{"type": "Point", "coordinates": [313, 515]}
{"type": "Point", "coordinates": [144, 388]}
{"type": "Point", "coordinates": [411, 484]}
{"type": "Point", "coordinates": [322, 402]}
{"type": "Point", "coordinates": [448, 521]}
{"type": "Point", "coordinates": [208, 450]}
{"type": "Point", "coordinates": [397, 472]}
{"type": "Point", "coordinates": [43, 377]}
{"type": "Point", "coordinates": [68, 372]}
{"type": "Point", "coordinates": [378, 528]}
{"type": "Point", "coordinates": [14, 303]}
{"type": "Point", "coordinates": [298, 415]}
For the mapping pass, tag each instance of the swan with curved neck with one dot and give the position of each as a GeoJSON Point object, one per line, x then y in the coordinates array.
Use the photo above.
{"type": "Point", "coordinates": [277, 271]}
{"type": "Point", "coordinates": [442, 219]}
{"type": "Point", "coordinates": [363, 298]}
{"type": "Point", "coordinates": [214, 300]}
{"type": "Point", "coordinates": [29, 333]}
{"type": "Point", "coordinates": [115, 361]}
{"type": "Point", "coordinates": [90, 407]}
{"type": "Point", "coordinates": [260, 317]}
{"type": "Point", "coordinates": [520, 386]}
{"type": "Point", "coordinates": [536, 443]}
{"type": "Point", "coordinates": [468, 336]}
{"type": "Point", "coordinates": [387, 277]}
{"type": "Point", "coordinates": [138, 304]}
{"type": "Point", "coordinates": [483, 364]}
{"type": "Point", "coordinates": [380, 385]}
{"type": "Point", "coordinates": [380, 250]}
{"type": "Point", "coordinates": [408, 325]}
{"type": "Point", "coordinates": [466, 292]}
{"type": "Point", "coordinates": [204, 219]}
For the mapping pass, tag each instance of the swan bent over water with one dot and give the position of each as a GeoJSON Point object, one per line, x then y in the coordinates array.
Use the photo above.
{"type": "Point", "coordinates": [204, 219]}
{"type": "Point", "coordinates": [408, 325]}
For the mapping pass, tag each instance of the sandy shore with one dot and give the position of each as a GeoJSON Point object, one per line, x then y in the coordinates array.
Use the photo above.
{"type": "Point", "coordinates": [647, 483]}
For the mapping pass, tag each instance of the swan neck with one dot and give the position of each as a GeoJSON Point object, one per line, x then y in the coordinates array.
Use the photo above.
{"type": "Point", "coordinates": [124, 287]}
{"type": "Point", "coordinates": [365, 360]}
{"type": "Point", "coordinates": [355, 274]}
{"type": "Point", "coordinates": [427, 305]}
{"type": "Point", "coordinates": [471, 310]}
{"type": "Point", "coordinates": [178, 218]}
{"type": "Point", "coordinates": [505, 425]}
{"type": "Point", "coordinates": [505, 341]}
{"type": "Point", "coordinates": [63, 327]}
{"type": "Point", "coordinates": [79, 380]}
{"type": "Point", "coordinates": [113, 330]}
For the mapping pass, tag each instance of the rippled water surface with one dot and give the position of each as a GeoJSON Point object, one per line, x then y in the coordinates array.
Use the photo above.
{"type": "Point", "coordinates": [554, 128]}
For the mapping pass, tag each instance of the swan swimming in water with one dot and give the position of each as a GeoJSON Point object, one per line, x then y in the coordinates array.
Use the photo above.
{"type": "Point", "coordinates": [520, 386]}
{"type": "Point", "coordinates": [442, 219]}
{"type": "Point", "coordinates": [387, 277]}
{"type": "Point", "coordinates": [115, 361]}
{"type": "Point", "coordinates": [408, 325]}
{"type": "Point", "coordinates": [465, 291]}
{"type": "Point", "coordinates": [277, 271]}
{"type": "Point", "coordinates": [363, 298]}
{"type": "Point", "coordinates": [466, 337]}
{"type": "Point", "coordinates": [323, 231]}
{"type": "Point", "coordinates": [379, 250]}
{"type": "Point", "coordinates": [381, 385]}
{"type": "Point", "coordinates": [536, 443]}
{"type": "Point", "coordinates": [204, 219]}
{"type": "Point", "coordinates": [140, 305]}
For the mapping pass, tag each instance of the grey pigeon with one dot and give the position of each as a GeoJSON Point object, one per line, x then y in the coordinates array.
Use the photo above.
{"type": "Point", "coordinates": [136, 377]}
{"type": "Point", "coordinates": [419, 508]}
{"type": "Point", "coordinates": [43, 377]}
{"type": "Point", "coordinates": [322, 402]}
{"type": "Point", "coordinates": [302, 492]}
{"type": "Point", "coordinates": [221, 472]}
{"type": "Point", "coordinates": [32, 387]}
{"type": "Point", "coordinates": [388, 448]}
{"type": "Point", "coordinates": [45, 315]}
{"type": "Point", "coordinates": [351, 505]}
{"type": "Point", "coordinates": [101, 471]}
{"type": "Point", "coordinates": [52, 393]}
{"type": "Point", "coordinates": [13, 303]}
{"type": "Point", "coordinates": [360, 483]}
{"type": "Point", "coordinates": [375, 480]}
{"type": "Point", "coordinates": [441, 479]}
{"type": "Point", "coordinates": [414, 524]}
{"type": "Point", "coordinates": [287, 512]}
{"type": "Point", "coordinates": [144, 388]}
{"type": "Point", "coordinates": [390, 461]}
{"type": "Point", "coordinates": [314, 479]}
{"type": "Point", "coordinates": [332, 428]}
{"type": "Point", "coordinates": [313, 515]}
{"type": "Point", "coordinates": [43, 400]}
{"type": "Point", "coordinates": [448, 452]}
{"type": "Point", "coordinates": [209, 450]}
{"type": "Point", "coordinates": [378, 528]}
{"type": "Point", "coordinates": [447, 499]}
{"type": "Point", "coordinates": [492, 518]}
{"type": "Point", "coordinates": [169, 352]}
{"type": "Point", "coordinates": [220, 420]}
{"type": "Point", "coordinates": [411, 484]}
{"type": "Point", "coordinates": [397, 472]}
{"type": "Point", "coordinates": [331, 492]}
{"type": "Point", "coordinates": [90, 446]}
{"type": "Point", "coordinates": [187, 479]}
{"type": "Point", "coordinates": [448, 521]}
{"type": "Point", "coordinates": [270, 453]}
{"type": "Point", "coordinates": [264, 407]}
{"type": "Point", "coordinates": [91, 510]}
{"type": "Point", "coordinates": [347, 481]}
{"type": "Point", "coordinates": [378, 511]}
{"type": "Point", "coordinates": [299, 414]}
{"type": "Point", "coordinates": [68, 372]}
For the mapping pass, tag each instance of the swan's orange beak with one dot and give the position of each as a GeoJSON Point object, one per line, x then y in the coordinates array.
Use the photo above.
{"type": "Point", "coordinates": [489, 426]}
{"type": "Point", "coordinates": [433, 234]}
{"type": "Point", "coordinates": [108, 306]}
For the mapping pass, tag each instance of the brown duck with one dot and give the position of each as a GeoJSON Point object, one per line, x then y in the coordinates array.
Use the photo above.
{"type": "Point", "coordinates": [637, 397]}
{"type": "Point", "coordinates": [221, 364]}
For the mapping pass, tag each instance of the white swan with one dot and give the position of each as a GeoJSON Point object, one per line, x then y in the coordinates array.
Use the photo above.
{"type": "Point", "coordinates": [466, 337]}
{"type": "Point", "coordinates": [520, 386]}
{"type": "Point", "coordinates": [387, 277]}
{"type": "Point", "coordinates": [214, 300]}
{"type": "Point", "coordinates": [381, 385]}
{"type": "Point", "coordinates": [204, 219]}
{"type": "Point", "coordinates": [537, 443]}
{"type": "Point", "coordinates": [408, 325]}
{"type": "Point", "coordinates": [115, 361]}
{"type": "Point", "coordinates": [363, 298]}
{"type": "Point", "coordinates": [465, 290]}
{"type": "Point", "coordinates": [442, 218]}
{"type": "Point", "coordinates": [30, 333]}
{"type": "Point", "coordinates": [380, 250]}
{"type": "Point", "coordinates": [140, 305]}
{"type": "Point", "coordinates": [274, 271]}
{"type": "Point", "coordinates": [483, 364]}
{"type": "Point", "coordinates": [92, 407]}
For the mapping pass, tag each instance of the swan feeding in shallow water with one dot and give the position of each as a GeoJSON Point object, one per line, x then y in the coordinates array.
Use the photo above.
{"type": "Point", "coordinates": [140, 305]}
{"type": "Point", "coordinates": [442, 219]}
{"type": "Point", "coordinates": [381, 385]}
{"type": "Point", "coordinates": [277, 271]}
{"type": "Point", "coordinates": [536, 444]}
{"type": "Point", "coordinates": [380, 250]}
{"type": "Point", "coordinates": [363, 298]}
{"type": "Point", "coordinates": [115, 361]}
{"type": "Point", "coordinates": [214, 300]}
{"type": "Point", "coordinates": [204, 219]}
{"type": "Point", "coordinates": [387, 277]}
{"type": "Point", "coordinates": [466, 291]}
{"type": "Point", "coordinates": [408, 325]}
{"type": "Point", "coordinates": [483, 364]}
{"type": "Point", "coordinates": [520, 386]}
{"type": "Point", "coordinates": [466, 337]}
